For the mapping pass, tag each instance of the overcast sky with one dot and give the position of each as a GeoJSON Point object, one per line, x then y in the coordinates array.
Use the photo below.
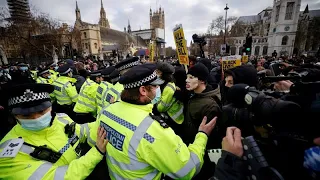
{"type": "Point", "coordinates": [194, 15]}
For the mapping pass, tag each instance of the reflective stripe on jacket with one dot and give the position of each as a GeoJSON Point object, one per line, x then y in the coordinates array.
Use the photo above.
{"type": "Point", "coordinates": [113, 94]}
{"type": "Point", "coordinates": [87, 98]}
{"type": "Point", "coordinates": [69, 165]}
{"type": "Point", "coordinates": [41, 80]}
{"type": "Point", "coordinates": [64, 91]}
{"type": "Point", "coordinates": [101, 95]}
{"type": "Point", "coordinates": [170, 104]}
{"type": "Point", "coordinates": [140, 148]}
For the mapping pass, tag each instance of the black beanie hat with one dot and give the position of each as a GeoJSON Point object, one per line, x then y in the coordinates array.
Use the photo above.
{"type": "Point", "coordinates": [200, 71]}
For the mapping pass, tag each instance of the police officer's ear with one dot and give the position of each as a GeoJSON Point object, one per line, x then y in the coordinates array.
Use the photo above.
{"type": "Point", "coordinates": [143, 90]}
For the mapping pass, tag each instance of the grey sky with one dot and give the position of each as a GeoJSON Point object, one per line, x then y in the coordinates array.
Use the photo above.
{"type": "Point", "coordinates": [194, 15]}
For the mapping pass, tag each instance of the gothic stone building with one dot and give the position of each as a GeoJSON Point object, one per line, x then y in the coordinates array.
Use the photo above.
{"type": "Point", "coordinates": [97, 39]}
{"type": "Point", "coordinates": [276, 28]}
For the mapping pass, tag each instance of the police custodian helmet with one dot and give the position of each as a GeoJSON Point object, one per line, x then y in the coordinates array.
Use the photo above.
{"type": "Point", "coordinates": [29, 98]}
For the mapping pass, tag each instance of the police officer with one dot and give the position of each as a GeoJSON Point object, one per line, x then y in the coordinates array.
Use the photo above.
{"type": "Point", "coordinates": [86, 107]}
{"type": "Point", "coordinates": [53, 71]}
{"type": "Point", "coordinates": [44, 76]}
{"type": "Point", "coordinates": [113, 94]}
{"type": "Point", "coordinates": [43, 145]}
{"type": "Point", "coordinates": [65, 91]}
{"type": "Point", "coordinates": [103, 88]}
{"type": "Point", "coordinates": [168, 105]}
{"type": "Point", "coordinates": [142, 146]}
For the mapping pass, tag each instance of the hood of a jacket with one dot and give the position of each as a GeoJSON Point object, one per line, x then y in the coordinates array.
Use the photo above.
{"type": "Point", "coordinates": [209, 92]}
{"type": "Point", "coordinates": [245, 74]}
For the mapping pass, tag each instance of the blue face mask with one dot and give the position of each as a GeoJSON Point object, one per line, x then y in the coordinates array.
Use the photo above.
{"type": "Point", "coordinates": [24, 68]}
{"type": "Point", "coordinates": [48, 77]}
{"type": "Point", "coordinates": [36, 124]}
{"type": "Point", "coordinates": [56, 68]}
{"type": "Point", "coordinates": [158, 96]}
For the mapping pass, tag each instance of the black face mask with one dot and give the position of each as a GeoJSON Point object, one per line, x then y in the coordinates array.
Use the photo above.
{"type": "Point", "coordinates": [226, 90]}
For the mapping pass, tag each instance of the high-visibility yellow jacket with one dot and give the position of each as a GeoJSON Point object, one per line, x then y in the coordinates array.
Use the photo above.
{"type": "Point", "coordinates": [68, 166]}
{"type": "Point", "coordinates": [102, 94]}
{"type": "Point", "coordinates": [140, 148]}
{"type": "Point", "coordinates": [87, 98]}
{"type": "Point", "coordinates": [34, 74]}
{"type": "Point", "coordinates": [114, 93]}
{"type": "Point", "coordinates": [65, 91]}
{"type": "Point", "coordinates": [41, 80]}
{"type": "Point", "coordinates": [54, 74]}
{"type": "Point", "coordinates": [170, 104]}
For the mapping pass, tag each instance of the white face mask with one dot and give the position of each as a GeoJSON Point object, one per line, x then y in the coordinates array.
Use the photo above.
{"type": "Point", "coordinates": [192, 82]}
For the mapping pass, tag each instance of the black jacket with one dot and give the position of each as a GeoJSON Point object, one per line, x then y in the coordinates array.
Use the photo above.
{"type": "Point", "coordinates": [230, 167]}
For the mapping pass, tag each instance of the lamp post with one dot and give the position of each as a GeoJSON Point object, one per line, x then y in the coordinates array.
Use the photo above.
{"type": "Point", "coordinates": [225, 23]}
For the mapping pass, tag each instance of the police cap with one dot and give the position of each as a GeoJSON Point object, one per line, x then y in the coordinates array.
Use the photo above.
{"type": "Point", "coordinates": [107, 71]}
{"type": "Point", "coordinates": [29, 98]}
{"type": "Point", "coordinates": [52, 64]}
{"type": "Point", "coordinates": [165, 67]}
{"type": "Point", "coordinates": [65, 69]}
{"type": "Point", "coordinates": [95, 73]}
{"type": "Point", "coordinates": [22, 64]}
{"type": "Point", "coordinates": [61, 62]}
{"type": "Point", "coordinates": [140, 76]}
{"type": "Point", "coordinates": [114, 76]}
{"type": "Point", "coordinates": [43, 71]}
{"type": "Point", "coordinates": [127, 63]}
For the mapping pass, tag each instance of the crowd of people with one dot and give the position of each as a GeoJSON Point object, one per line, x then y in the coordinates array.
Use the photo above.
{"type": "Point", "coordinates": [136, 119]}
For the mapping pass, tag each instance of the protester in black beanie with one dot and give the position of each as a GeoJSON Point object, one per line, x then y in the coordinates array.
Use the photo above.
{"type": "Point", "coordinates": [200, 71]}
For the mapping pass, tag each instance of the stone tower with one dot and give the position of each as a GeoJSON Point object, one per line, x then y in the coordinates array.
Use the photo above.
{"type": "Point", "coordinates": [103, 22]}
{"type": "Point", "coordinates": [157, 23]}
{"type": "Point", "coordinates": [129, 27]}
{"type": "Point", "coordinates": [283, 27]}
{"type": "Point", "coordinates": [78, 15]}
{"type": "Point", "coordinates": [157, 19]}
{"type": "Point", "coordinates": [19, 10]}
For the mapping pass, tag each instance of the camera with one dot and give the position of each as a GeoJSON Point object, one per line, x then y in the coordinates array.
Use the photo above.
{"type": "Point", "coordinates": [279, 127]}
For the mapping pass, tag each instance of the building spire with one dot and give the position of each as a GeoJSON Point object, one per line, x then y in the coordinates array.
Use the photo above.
{"type": "Point", "coordinates": [101, 4]}
{"type": "Point", "coordinates": [78, 15]}
{"type": "Point", "coordinates": [77, 8]}
{"type": "Point", "coordinates": [129, 26]}
{"type": "Point", "coordinates": [306, 10]}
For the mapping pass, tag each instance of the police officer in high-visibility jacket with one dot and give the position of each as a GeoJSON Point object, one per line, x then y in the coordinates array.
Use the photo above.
{"type": "Point", "coordinates": [65, 91]}
{"type": "Point", "coordinates": [86, 106]}
{"type": "Point", "coordinates": [53, 71]}
{"type": "Point", "coordinates": [113, 94]}
{"type": "Point", "coordinates": [103, 88]}
{"type": "Point", "coordinates": [169, 106]}
{"type": "Point", "coordinates": [44, 76]}
{"type": "Point", "coordinates": [141, 145]}
{"type": "Point", "coordinates": [33, 72]}
{"type": "Point", "coordinates": [43, 145]}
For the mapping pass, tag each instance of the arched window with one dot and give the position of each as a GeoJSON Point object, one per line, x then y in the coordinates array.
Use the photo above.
{"type": "Point", "coordinates": [233, 50]}
{"type": "Point", "coordinates": [240, 50]}
{"type": "Point", "coordinates": [285, 40]}
{"type": "Point", "coordinates": [257, 50]}
{"type": "Point", "coordinates": [265, 50]}
{"type": "Point", "coordinates": [85, 35]}
{"type": "Point", "coordinates": [96, 45]}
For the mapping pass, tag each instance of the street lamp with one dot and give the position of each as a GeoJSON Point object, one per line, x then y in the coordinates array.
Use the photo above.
{"type": "Point", "coordinates": [225, 23]}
